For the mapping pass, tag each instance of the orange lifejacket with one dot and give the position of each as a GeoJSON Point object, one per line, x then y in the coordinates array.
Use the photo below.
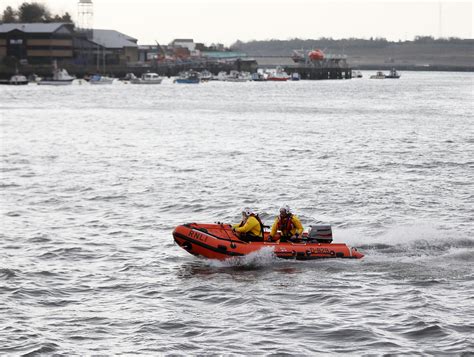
{"type": "Point", "coordinates": [285, 225]}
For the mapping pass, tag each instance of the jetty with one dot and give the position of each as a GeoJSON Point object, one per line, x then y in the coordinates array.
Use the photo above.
{"type": "Point", "coordinates": [312, 72]}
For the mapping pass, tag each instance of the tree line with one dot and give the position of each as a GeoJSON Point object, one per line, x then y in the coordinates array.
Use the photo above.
{"type": "Point", "coordinates": [284, 47]}
{"type": "Point", "coordinates": [32, 12]}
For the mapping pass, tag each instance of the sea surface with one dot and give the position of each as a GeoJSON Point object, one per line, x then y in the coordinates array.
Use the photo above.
{"type": "Point", "coordinates": [95, 178]}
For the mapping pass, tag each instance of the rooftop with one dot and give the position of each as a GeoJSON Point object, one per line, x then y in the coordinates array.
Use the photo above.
{"type": "Point", "coordinates": [183, 40]}
{"type": "Point", "coordinates": [33, 27]}
{"type": "Point", "coordinates": [223, 55]}
{"type": "Point", "coordinates": [113, 39]}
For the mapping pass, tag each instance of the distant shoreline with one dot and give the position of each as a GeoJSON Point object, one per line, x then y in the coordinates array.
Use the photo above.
{"type": "Point", "coordinates": [422, 54]}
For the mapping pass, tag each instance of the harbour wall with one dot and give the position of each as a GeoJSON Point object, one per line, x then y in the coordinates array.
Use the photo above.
{"type": "Point", "coordinates": [119, 71]}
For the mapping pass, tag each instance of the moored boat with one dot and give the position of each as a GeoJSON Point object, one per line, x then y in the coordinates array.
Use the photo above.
{"type": "Point", "coordinates": [259, 77]}
{"type": "Point", "coordinates": [238, 76]}
{"type": "Point", "coordinates": [15, 80]}
{"type": "Point", "coordinates": [190, 77]}
{"type": "Point", "coordinates": [279, 75]}
{"type": "Point", "coordinates": [393, 74]}
{"type": "Point", "coordinates": [219, 241]}
{"type": "Point", "coordinates": [356, 74]}
{"type": "Point", "coordinates": [129, 77]}
{"type": "Point", "coordinates": [221, 76]}
{"type": "Point", "coordinates": [378, 75]}
{"type": "Point", "coordinates": [100, 79]}
{"type": "Point", "coordinates": [205, 76]}
{"type": "Point", "coordinates": [147, 78]}
{"type": "Point", "coordinates": [60, 78]}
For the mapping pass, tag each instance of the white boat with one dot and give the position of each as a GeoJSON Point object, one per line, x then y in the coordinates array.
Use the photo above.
{"type": "Point", "coordinates": [129, 77]}
{"type": "Point", "coordinates": [147, 78]}
{"type": "Point", "coordinates": [259, 77]}
{"type": "Point", "coordinates": [99, 79]}
{"type": "Point", "coordinates": [60, 78]}
{"type": "Point", "coordinates": [378, 75]}
{"type": "Point", "coordinates": [205, 76]}
{"type": "Point", "coordinates": [15, 80]}
{"type": "Point", "coordinates": [236, 76]}
{"type": "Point", "coordinates": [356, 74]}
{"type": "Point", "coordinates": [221, 76]}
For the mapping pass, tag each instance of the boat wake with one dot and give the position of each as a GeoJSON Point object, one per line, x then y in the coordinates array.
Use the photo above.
{"type": "Point", "coordinates": [258, 259]}
{"type": "Point", "coordinates": [424, 240]}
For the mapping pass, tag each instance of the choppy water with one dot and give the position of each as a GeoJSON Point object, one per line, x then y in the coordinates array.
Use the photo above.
{"type": "Point", "coordinates": [93, 180]}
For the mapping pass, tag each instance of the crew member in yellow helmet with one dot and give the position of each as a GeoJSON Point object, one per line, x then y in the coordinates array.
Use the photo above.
{"type": "Point", "coordinates": [251, 227]}
{"type": "Point", "coordinates": [288, 224]}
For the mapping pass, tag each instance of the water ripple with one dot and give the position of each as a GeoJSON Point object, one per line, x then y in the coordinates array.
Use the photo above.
{"type": "Point", "coordinates": [88, 265]}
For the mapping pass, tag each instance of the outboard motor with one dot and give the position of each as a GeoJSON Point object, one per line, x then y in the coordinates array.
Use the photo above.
{"type": "Point", "coordinates": [320, 234]}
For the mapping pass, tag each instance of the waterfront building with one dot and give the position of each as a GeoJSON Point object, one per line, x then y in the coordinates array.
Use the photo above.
{"type": "Point", "coordinates": [41, 43]}
{"type": "Point", "coordinates": [185, 43]}
{"type": "Point", "coordinates": [117, 48]}
{"type": "Point", "coordinates": [36, 43]}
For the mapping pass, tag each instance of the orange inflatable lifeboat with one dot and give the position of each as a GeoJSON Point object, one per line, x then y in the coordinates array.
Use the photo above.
{"type": "Point", "coordinates": [316, 55]}
{"type": "Point", "coordinates": [218, 241]}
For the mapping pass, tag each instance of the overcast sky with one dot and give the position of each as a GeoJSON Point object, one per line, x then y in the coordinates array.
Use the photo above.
{"type": "Point", "coordinates": [226, 21]}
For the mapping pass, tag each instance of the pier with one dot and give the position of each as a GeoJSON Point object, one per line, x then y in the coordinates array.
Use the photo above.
{"type": "Point", "coordinates": [328, 67]}
{"type": "Point", "coordinates": [319, 73]}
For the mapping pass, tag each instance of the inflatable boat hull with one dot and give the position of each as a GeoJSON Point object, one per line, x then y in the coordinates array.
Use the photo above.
{"type": "Point", "coordinates": [218, 241]}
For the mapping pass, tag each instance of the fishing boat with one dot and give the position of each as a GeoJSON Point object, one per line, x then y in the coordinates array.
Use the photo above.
{"type": "Point", "coordinates": [393, 74]}
{"type": "Point", "coordinates": [218, 241]}
{"type": "Point", "coordinates": [190, 77]}
{"type": "Point", "coordinates": [378, 75]}
{"type": "Point", "coordinates": [147, 78]}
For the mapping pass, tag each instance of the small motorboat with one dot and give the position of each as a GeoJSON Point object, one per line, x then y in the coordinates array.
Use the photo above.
{"type": "Point", "coordinates": [238, 76]}
{"type": "Point", "coordinates": [279, 75]}
{"type": "Point", "coordinates": [147, 78]}
{"type": "Point", "coordinates": [205, 76]}
{"type": "Point", "coordinates": [129, 77]}
{"type": "Point", "coordinates": [190, 77]}
{"type": "Point", "coordinates": [221, 76]}
{"type": "Point", "coordinates": [393, 74]}
{"type": "Point", "coordinates": [60, 78]}
{"type": "Point", "coordinates": [378, 75]}
{"type": "Point", "coordinates": [100, 79]}
{"type": "Point", "coordinates": [219, 241]}
{"type": "Point", "coordinates": [259, 77]}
